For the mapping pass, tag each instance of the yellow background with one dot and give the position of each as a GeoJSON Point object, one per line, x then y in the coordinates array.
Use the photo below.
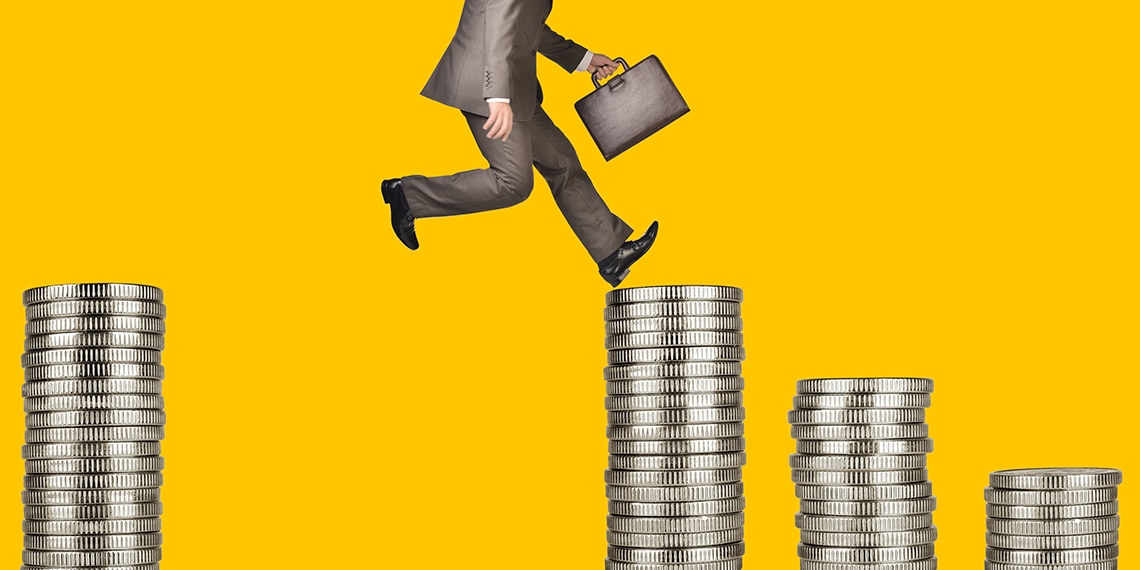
{"type": "Point", "coordinates": [945, 189]}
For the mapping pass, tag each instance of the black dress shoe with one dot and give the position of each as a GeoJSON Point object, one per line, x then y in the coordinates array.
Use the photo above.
{"type": "Point", "coordinates": [403, 222]}
{"type": "Point", "coordinates": [615, 267]}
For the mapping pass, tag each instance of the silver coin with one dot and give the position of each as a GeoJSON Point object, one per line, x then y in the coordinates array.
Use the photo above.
{"type": "Point", "coordinates": [678, 462]}
{"type": "Point", "coordinates": [153, 566]}
{"type": "Point", "coordinates": [1056, 478]}
{"type": "Point", "coordinates": [870, 539]}
{"type": "Point", "coordinates": [93, 482]}
{"type": "Point", "coordinates": [108, 526]}
{"type": "Point", "coordinates": [668, 324]}
{"type": "Point", "coordinates": [672, 370]}
{"type": "Point", "coordinates": [1058, 527]}
{"type": "Point", "coordinates": [74, 450]}
{"type": "Point", "coordinates": [832, 523]}
{"type": "Point", "coordinates": [1052, 511]}
{"type": "Point", "coordinates": [675, 494]}
{"type": "Point", "coordinates": [865, 385]}
{"type": "Point", "coordinates": [857, 401]}
{"type": "Point", "coordinates": [79, 371]}
{"type": "Point", "coordinates": [106, 402]}
{"type": "Point", "coordinates": [902, 477]}
{"type": "Point", "coordinates": [677, 447]}
{"type": "Point", "coordinates": [96, 418]}
{"type": "Point", "coordinates": [124, 323]}
{"type": "Point", "coordinates": [1015, 542]}
{"type": "Point", "coordinates": [869, 508]}
{"type": "Point", "coordinates": [675, 354]}
{"type": "Point", "coordinates": [1106, 565]}
{"type": "Point", "coordinates": [866, 555]}
{"type": "Point", "coordinates": [91, 497]}
{"type": "Point", "coordinates": [68, 291]}
{"type": "Point", "coordinates": [857, 462]}
{"type": "Point", "coordinates": [95, 434]}
{"type": "Point", "coordinates": [859, 416]}
{"type": "Point", "coordinates": [673, 401]}
{"type": "Point", "coordinates": [93, 542]}
{"type": "Point", "coordinates": [88, 512]}
{"type": "Point", "coordinates": [671, 309]}
{"type": "Point", "coordinates": [674, 386]}
{"type": "Point", "coordinates": [675, 525]}
{"type": "Point", "coordinates": [864, 492]}
{"type": "Point", "coordinates": [862, 431]}
{"type": "Point", "coordinates": [675, 432]}
{"type": "Point", "coordinates": [676, 555]}
{"type": "Point", "coordinates": [866, 447]}
{"type": "Point", "coordinates": [927, 564]}
{"type": "Point", "coordinates": [683, 416]}
{"type": "Point", "coordinates": [672, 478]}
{"type": "Point", "coordinates": [734, 564]}
{"type": "Point", "coordinates": [673, 339]}
{"type": "Point", "coordinates": [1053, 497]}
{"type": "Point", "coordinates": [687, 540]}
{"type": "Point", "coordinates": [90, 356]}
{"type": "Point", "coordinates": [674, 293]}
{"type": "Point", "coordinates": [104, 339]}
{"type": "Point", "coordinates": [62, 558]}
{"type": "Point", "coordinates": [92, 387]}
{"type": "Point", "coordinates": [1053, 557]}
{"type": "Point", "coordinates": [93, 465]}
{"type": "Point", "coordinates": [679, 509]}
{"type": "Point", "coordinates": [81, 307]}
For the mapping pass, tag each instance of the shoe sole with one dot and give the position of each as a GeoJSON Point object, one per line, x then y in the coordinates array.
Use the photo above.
{"type": "Point", "coordinates": [617, 281]}
{"type": "Point", "coordinates": [388, 200]}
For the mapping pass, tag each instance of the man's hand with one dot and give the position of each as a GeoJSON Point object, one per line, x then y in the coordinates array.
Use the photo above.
{"type": "Point", "coordinates": [602, 66]}
{"type": "Point", "coordinates": [501, 121]}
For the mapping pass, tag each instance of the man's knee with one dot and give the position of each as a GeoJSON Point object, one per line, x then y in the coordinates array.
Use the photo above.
{"type": "Point", "coordinates": [516, 182]}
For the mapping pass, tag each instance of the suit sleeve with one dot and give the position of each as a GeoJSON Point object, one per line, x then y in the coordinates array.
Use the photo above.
{"type": "Point", "coordinates": [560, 50]}
{"type": "Point", "coordinates": [499, 18]}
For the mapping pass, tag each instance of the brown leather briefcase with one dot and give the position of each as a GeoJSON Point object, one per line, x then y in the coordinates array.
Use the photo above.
{"type": "Point", "coordinates": [630, 106]}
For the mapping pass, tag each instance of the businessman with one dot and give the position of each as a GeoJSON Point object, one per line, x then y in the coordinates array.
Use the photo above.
{"type": "Point", "coordinates": [488, 72]}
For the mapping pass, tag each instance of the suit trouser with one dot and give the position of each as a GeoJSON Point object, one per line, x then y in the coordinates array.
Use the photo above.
{"type": "Point", "coordinates": [510, 178]}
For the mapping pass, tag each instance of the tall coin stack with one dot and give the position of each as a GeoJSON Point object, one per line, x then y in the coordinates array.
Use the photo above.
{"type": "Point", "coordinates": [860, 474]}
{"type": "Point", "coordinates": [92, 394]}
{"type": "Point", "coordinates": [676, 427]}
{"type": "Point", "coordinates": [1055, 518]}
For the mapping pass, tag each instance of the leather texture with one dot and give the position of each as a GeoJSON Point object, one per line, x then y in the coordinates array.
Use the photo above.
{"type": "Point", "coordinates": [615, 268]}
{"type": "Point", "coordinates": [631, 106]}
{"type": "Point", "coordinates": [403, 221]}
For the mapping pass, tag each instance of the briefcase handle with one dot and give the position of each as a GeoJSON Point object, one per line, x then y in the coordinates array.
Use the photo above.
{"type": "Point", "coordinates": [624, 65]}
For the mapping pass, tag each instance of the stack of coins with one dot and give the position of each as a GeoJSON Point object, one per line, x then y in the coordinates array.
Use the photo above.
{"type": "Point", "coordinates": [860, 474]}
{"type": "Point", "coordinates": [1054, 518]}
{"type": "Point", "coordinates": [92, 394]}
{"type": "Point", "coordinates": [676, 426]}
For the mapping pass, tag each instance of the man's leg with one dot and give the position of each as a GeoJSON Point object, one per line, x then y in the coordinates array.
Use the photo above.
{"type": "Point", "coordinates": [508, 180]}
{"type": "Point", "coordinates": [599, 230]}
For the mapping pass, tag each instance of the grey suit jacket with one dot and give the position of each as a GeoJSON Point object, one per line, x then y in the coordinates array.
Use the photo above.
{"type": "Point", "coordinates": [493, 55]}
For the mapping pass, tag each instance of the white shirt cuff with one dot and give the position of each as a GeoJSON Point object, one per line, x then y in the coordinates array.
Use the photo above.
{"type": "Point", "coordinates": [585, 64]}
{"type": "Point", "coordinates": [498, 100]}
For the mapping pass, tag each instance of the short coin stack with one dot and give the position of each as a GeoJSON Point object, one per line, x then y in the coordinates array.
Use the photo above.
{"type": "Point", "coordinates": [92, 394]}
{"type": "Point", "coordinates": [676, 427]}
{"type": "Point", "coordinates": [860, 474]}
{"type": "Point", "coordinates": [1054, 518]}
